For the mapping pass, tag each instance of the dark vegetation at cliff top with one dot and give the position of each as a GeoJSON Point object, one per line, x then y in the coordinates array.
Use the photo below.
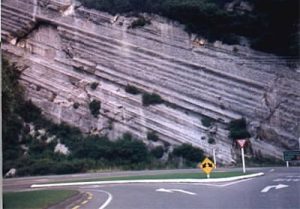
{"type": "Point", "coordinates": [26, 148]}
{"type": "Point", "coordinates": [272, 26]}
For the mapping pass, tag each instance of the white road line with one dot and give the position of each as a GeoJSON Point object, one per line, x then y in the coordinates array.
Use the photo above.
{"type": "Point", "coordinates": [175, 190]}
{"type": "Point", "coordinates": [288, 180]}
{"type": "Point", "coordinates": [109, 199]}
{"type": "Point", "coordinates": [217, 180]}
{"type": "Point", "coordinates": [235, 182]}
{"type": "Point", "coordinates": [90, 187]}
{"type": "Point", "coordinates": [222, 185]}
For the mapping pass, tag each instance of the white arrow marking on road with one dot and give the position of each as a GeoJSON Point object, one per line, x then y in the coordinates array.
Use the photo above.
{"type": "Point", "coordinates": [279, 186]}
{"type": "Point", "coordinates": [183, 191]}
{"type": "Point", "coordinates": [175, 190]}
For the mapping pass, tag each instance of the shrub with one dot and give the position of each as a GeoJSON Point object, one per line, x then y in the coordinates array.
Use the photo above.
{"type": "Point", "coordinates": [206, 121]}
{"type": "Point", "coordinates": [140, 22]}
{"type": "Point", "coordinates": [95, 106]}
{"type": "Point", "coordinates": [152, 136]}
{"type": "Point", "coordinates": [110, 125]}
{"type": "Point", "coordinates": [166, 144]}
{"type": "Point", "coordinates": [188, 152]}
{"type": "Point", "coordinates": [94, 147]}
{"type": "Point", "coordinates": [29, 112]}
{"type": "Point", "coordinates": [130, 151]}
{"type": "Point", "coordinates": [132, 89]}
{"type": "Point", "coordinates": [67, 167]}
{"type": "Point", "coordinates": [158, 152]}
{"type": "Point", "coordinates": [94, 85]}
{"type": "Point", "coordinates": [211, 141]}
{"type": "Point", "coordinates": [127, 136]}
{"type": "Point", "coordinates": [75, 105]}
{"type": "Point", "coordinates": [238, 129]}
{"type": "Point", "coordinates": [235, 49]}
{"type": "Point", "coordinates": [42, 167]}
{"type": "Point", "coordinates": [151, 99]}
{"type": "Point", "coordinates": [79, 69]}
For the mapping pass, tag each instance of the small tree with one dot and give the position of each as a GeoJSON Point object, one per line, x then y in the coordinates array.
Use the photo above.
{"type": "Point", "coordinates": [206, 121]}
{"type": "Point", "coordinates": [238, 129]}
{"type": "Point", "coordinates": [95, 106]}
{"type": "Point", "coordinates": [151, 99]}
{"type": "Point", "coordinates": [94, 85]}
{"type": "Point", "coordinates": [132, 89]}
{"type": "Point", "coordinates": [140, 22]}
{"type": "Point", "coordinates": [211, 141]}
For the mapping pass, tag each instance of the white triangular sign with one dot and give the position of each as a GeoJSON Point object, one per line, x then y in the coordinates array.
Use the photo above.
{"type": "Point", "coordinates": [241, 142]}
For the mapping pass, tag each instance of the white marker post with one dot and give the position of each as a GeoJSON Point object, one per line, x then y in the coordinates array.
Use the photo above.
{"type": "Point", "coordinates": [287, 164]}
{"type": "Point", "coordinates": [243, 160]}
{"type": "Point", "coordinates": [214, 155]}
{"type": "Point", "coordinates": [242, 143]}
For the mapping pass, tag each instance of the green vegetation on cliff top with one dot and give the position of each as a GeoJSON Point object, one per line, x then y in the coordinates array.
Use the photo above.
{"type": "Point", "coordinates": [269, 25]}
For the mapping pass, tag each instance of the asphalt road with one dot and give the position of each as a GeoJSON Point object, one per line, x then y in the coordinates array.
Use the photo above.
{"type": "Point", "coordinates": [279, 188]}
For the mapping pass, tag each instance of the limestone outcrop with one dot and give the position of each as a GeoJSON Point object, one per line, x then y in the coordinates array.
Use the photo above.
{"type": "Point", "coordinates": [62, 48]}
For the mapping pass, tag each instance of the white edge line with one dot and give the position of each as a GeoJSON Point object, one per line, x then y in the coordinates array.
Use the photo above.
{"type": "Point", "coordinates": [235, 182]}
{"type": "Point", "coordinates": [109, 199]}
{"type": "Point", "coordinates": [150, 181]}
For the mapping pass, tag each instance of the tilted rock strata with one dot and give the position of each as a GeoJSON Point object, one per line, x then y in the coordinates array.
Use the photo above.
{"type": "Point", "coordinates": [62, 48]}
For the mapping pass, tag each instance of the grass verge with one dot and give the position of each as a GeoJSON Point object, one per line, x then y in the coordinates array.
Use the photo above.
{"type": "Point", "coordinates": [166, 176]}
{"type": "Point", "coordinates": [35, 199]}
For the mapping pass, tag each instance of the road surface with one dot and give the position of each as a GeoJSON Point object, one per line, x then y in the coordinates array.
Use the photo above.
{"type": "Point", "coordinates": [278, 189]}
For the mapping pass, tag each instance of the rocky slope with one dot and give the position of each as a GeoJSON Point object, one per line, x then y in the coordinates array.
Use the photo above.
{"type": "Point", "coordinates": [62, 48]}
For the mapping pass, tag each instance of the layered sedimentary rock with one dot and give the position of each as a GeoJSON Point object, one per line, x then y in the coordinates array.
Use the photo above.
{"type": "Point", "coordinates": [62, 48]}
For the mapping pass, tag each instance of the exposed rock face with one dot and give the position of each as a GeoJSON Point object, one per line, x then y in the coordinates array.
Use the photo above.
{"type": "Point", "coordinates": [63, 48]}
{"type": "Point", "coordinates": [11, 173]}
{"type": "Point", "coordinates": [62, 149]}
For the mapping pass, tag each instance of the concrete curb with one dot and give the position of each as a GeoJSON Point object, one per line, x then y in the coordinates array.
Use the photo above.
{"type": "Point", "coordinates": [216, 180]}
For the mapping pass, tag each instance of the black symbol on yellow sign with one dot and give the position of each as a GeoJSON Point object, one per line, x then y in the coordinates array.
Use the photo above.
{"type": "Point", "coordinates": [207, 166]}
{"type": "Point", "coordinates": [204, 165]}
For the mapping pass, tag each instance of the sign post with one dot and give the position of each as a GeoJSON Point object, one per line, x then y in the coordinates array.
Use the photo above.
{"type": "Point", "coordinates": [214, 155]}
{"type": "Point", "coordinates": [243, 159]}
{"type": "Point", "coordinates": [291, 155]}
{"type": "Point", "coordinates": [207, 166]}
{"type": "Point", "coordinates": [242, 143]}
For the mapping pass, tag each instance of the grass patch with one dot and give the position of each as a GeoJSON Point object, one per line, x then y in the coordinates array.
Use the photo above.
{"type": "Point", "coordinates": [199, 175]}
{"type": "Point", "coordinates": [35, 199]}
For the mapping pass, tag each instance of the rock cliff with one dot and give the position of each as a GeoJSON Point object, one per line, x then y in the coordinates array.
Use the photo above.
{"type": "Point", "coordinates": [62, 48]}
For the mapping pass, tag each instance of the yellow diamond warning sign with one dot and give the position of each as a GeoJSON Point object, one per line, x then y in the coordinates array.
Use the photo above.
{"type": "Point", "coordinates": [207, 166]}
